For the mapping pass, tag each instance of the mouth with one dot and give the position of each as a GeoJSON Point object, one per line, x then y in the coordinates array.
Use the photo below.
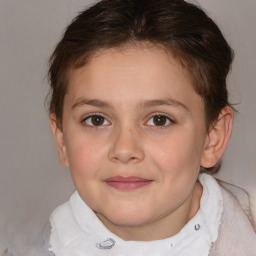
{"type": "Point", "coordinates": [127, 183]}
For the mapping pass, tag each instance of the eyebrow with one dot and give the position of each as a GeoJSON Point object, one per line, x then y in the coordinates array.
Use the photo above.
{"type": "Point", "coordinates": [144, 104]}
{"type": "Point", "coordinates": [169, 102]}
{"type": "Point", "coordinates": [91, 102]}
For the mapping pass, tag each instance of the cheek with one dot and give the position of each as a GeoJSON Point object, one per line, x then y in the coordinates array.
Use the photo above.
{"type": "Point", "coordinates": [84, 157]}
{"type": "Point", "coordinates": [178, 154]}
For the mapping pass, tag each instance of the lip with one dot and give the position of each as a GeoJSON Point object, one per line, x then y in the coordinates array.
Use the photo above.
{"type": "Point", "coordinates": [127, 183]}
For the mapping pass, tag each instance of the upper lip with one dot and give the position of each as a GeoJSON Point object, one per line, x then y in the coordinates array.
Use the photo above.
{"type": "Point", "coordinates": [126, 179]}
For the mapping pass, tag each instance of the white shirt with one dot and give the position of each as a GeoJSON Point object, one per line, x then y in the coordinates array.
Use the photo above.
{"type": "Point", "coordinates": [77, 231]}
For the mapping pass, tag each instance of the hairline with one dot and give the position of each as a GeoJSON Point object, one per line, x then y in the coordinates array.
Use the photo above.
{"type": "Point", "coordinates": [180, 56]}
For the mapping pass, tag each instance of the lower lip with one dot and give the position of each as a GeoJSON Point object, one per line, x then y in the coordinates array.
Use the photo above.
{"type": "Point", "coordinates": [128, 185]}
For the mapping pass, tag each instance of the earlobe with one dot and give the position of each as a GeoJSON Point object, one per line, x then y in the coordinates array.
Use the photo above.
{"type": "Point", "coordinates": [217, 138]}
{"type": "Point", "coordinates": [59, 139]}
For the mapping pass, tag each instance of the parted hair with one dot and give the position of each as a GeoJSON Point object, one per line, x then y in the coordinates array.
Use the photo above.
{"type": "Point", "coordinates": [182, 28]}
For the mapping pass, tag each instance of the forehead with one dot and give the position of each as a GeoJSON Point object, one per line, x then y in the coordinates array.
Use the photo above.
{"type": "Point", "coordinates": [132, 73]}
{"type": "Point", "coordinates": [151, 61]}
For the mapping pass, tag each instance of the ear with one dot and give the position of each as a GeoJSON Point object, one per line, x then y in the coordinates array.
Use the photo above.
{"type": "Point", "coordinates": [217, 138]}
{"type": "Point", "coordinates": [59, 139]}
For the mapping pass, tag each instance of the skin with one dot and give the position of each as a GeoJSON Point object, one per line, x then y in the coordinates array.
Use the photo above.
{"type": "Point", "coordinates": [126, 88]}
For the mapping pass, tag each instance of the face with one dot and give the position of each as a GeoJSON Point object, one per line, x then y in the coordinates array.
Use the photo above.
{"type": "Point", "coordinates": [133, 135]}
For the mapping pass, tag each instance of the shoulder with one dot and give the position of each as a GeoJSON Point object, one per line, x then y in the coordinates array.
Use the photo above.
{"type": "Point", "coordinates": [239, 195]}
{"type": "Point", "coordinates": [236, 234]}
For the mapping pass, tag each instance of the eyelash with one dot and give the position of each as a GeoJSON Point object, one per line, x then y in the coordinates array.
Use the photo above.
{"type": "Point", "coordinates": [168, 119]}
{"type": "Point", "coordinates": [94, 115]}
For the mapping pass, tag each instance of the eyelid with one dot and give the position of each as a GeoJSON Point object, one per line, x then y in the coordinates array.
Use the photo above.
{"type": "Point", "coordinates": [90, 115]}
{"type": "Point", "coordinates": [172, 121]}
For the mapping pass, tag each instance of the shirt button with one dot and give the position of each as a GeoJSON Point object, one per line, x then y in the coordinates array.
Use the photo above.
{"type": "Point", "coordinates": [197, 227]}
{"type": "Point", "coordinates": [107, 244]}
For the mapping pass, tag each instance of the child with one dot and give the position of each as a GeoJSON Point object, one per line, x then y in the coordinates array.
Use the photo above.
{"type": "Point", "coordinates": [139, 111]}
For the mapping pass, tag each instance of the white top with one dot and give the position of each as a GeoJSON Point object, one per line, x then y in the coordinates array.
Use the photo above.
{"type": "Point", "coordinates": [77, 231]}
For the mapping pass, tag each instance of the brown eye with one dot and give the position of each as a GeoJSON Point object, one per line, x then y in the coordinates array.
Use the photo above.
{"type": "Point", "coordinates": [159, 120]}
{"type": "Point", "coordinates": [96, 120]}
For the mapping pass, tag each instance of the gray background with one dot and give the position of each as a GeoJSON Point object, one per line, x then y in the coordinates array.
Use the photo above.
{"type": "Point", "coordinates": [32, 182]}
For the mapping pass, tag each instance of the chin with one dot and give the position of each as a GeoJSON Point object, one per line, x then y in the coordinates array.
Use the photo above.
{"type": "Point", "coordinates": [125, 218]}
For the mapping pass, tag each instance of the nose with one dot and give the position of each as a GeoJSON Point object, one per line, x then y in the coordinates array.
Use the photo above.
{"type": "Point", "coordinates": [127, 146]}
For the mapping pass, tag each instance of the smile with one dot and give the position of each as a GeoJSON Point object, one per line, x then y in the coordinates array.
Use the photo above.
{"type": "Point", "coordinates": [127, 183]}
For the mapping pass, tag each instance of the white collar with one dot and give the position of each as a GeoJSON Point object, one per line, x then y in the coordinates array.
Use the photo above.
{"type": "Point", "coordinates": [82, 230]}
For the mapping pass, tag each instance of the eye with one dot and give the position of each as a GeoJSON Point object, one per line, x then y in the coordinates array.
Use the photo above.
{"type": "Point", "coordinates": [159, 120]}
{"type": "Point", "coordinates": [95, 120]}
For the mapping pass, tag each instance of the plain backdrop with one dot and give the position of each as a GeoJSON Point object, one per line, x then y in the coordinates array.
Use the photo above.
{"type": "Point", "coordinates": [32, 182]}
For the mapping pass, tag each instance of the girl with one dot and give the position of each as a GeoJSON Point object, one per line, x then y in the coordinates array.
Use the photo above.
{"type": "Point", "coordinates": [139, 111]}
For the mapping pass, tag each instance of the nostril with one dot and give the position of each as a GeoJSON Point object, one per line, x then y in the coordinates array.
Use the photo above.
{"type": "Point", "coordinates": [125, 149]}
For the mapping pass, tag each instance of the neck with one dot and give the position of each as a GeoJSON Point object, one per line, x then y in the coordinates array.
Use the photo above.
{"type": "Point", "coordinates": [166, 226]}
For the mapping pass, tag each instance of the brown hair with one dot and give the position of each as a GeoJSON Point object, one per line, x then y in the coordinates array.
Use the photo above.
{"type": "Point", "coordinates": [182, 28]}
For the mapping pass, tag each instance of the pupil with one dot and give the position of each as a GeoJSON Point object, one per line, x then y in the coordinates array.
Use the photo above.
{"type": "Point", "coordinates": [97, 120]}
{"type": "Point", "coordinates": [159, 120]}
